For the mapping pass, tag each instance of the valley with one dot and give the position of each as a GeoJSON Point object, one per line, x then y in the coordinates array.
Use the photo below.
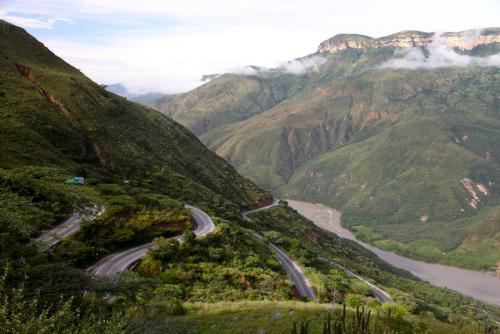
{"type": "Point", "coordinates": [162, 234]}
{"type": "Point", "coordinates": [407, 150]}
{"type": "Point", "coordinates": [479, 285]}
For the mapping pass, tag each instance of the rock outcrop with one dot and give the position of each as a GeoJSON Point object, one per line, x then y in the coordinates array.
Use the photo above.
{"type": "Point", "coordinates": [464, 40]}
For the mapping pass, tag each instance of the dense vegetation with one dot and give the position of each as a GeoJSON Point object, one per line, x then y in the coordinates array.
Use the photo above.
{"type": "Point", "coordinates": [199, 286]}
{"type": "Point", "coordinates": [315, 249]}
{"type": "Point", "coordinates": [411, 156]}
{"type": "Point", "coordinates": [52, 115]}
{"type": "Point", "coordinates": [142, 168]}
{"type": "Point", "coordinates": [139, 165]}
{"type": "Point", "coordinates": [281, 317]}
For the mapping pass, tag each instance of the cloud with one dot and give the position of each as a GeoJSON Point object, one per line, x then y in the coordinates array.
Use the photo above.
{"type": "Point", "coordinates": [173, 60]}
{"type": "Point", "coordinates": [297, 66]}
{"type": "Point", "coordinates": [247, 70]}
{"type": "Point", "coordinates": [303, 65]}
{"type": "Point", "coordinates": [169, 45]}
{"type": "Point", "coordinates": [31, 22]}
{"type": "Point", "coordinates": [440, 54]}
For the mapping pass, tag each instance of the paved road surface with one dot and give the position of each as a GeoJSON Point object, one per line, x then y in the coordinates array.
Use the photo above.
{"type": "Point", "coordinates": [476, 284]}
{"type": "Point", "coordinates": [245, 214]}
{"type": "Point", "coordinates": [116, 263]}
{"type": "Point", "coordinates": [68, 227]}
{"type": "Point", "coordinates": [295, 273]}
{"type": "Point", "coordinates": [293, 270]}
{"type": "Point", "coordinates": [380, 294]}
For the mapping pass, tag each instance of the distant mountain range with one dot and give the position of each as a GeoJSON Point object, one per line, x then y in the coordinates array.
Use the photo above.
{"type": "Point", "coordinates": [145, 98]}
{"type": "Point", "coordinates": [401, 132]}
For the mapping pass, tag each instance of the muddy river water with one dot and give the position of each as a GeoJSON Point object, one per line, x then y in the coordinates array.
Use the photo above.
{"type": "Point", "coordinates": [468, 282]}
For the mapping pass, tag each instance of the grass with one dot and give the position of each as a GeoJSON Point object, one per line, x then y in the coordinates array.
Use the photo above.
{"type": "Point", "coordinates": [307, 244]}
{"type": "Point", "coordinates": [270, 317]}
{"type": "Point", "coordinates": [56, 123]}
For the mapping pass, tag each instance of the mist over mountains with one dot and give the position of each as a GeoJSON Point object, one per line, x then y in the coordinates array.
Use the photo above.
{"type": "Point", "coordinates": [142, 98]}
{"type": "Point", "coordinates": [116, 218]}
{"type": "Point", "coordinates": [400, 132]}
{"type": "Point", "coordinates": [439, 54]}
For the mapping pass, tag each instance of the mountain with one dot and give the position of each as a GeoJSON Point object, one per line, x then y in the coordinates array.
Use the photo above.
{"type": "Point", "coordinates": [54, 116]}
{"type": "Point", "coordinates": [118, 89]}
{"type": "Point", "coordinates": [141, 168]}
{"type": "Point", "coordinates": [145, 98]}
{"type": "Point", "coordinates": [468, 40]}
{"type": "Point", "coordinates": [209, 77]}
{"type": "Point", "coordinates": [400, 132]}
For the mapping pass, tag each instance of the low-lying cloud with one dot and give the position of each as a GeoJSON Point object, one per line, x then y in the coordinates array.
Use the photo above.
{"type": "Point", "coordinates": [440, 54]}
{"type": "Point", "coordinates": [296, 66]}
{"type": "Point", "coordinates": [303, 65]}
{"type": "Point", "coordinates": [248, 70]}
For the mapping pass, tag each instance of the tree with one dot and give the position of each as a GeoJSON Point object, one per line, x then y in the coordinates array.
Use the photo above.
{"type": "Point", "coordinates": [354, 300]}
{"type": "Point", "coordinates": [166, 250]}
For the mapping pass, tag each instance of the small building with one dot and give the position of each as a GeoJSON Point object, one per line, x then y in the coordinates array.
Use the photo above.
{"type": "Point", "coordinates": [75, 180]}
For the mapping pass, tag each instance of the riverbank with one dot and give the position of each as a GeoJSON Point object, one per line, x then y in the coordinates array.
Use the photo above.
{"type": "Point", "coordinates": [468, 282]}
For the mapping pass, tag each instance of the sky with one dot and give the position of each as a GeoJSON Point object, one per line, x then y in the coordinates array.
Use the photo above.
{"type": "Point", "coordinates": [166, 46]}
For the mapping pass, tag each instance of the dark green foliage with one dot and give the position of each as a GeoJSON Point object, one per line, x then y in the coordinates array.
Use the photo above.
{"type": "Point", "coordinates": [228, 265]}
{"type": "Point", "coordinates": [304, 328]}
{"type": "Point", "coordinates": [142, 168]}
{"type": "Point", "coordinates": [358, 324]}
{"type": "Point", "coordinates": [139, 165]}
{"type": "Point", "coordinates": [21, 312]}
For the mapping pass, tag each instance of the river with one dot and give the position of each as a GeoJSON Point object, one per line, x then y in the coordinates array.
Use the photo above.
{"type": "Point", "coordinates": [468, 282]}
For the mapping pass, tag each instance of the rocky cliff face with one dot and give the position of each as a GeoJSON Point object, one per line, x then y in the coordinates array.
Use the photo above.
{"type": "Point", "coordinates": [464, 40]}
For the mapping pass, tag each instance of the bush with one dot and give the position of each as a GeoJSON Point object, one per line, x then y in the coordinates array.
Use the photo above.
{"type": "Point", "coordinates": [355, 300]}
{"type": "Point", "coordinates": [21, 313]}
{"type": "Point", "coordinates": [396, 310]}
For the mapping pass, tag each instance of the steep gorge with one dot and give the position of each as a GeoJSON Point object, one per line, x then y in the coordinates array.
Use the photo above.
{"type": "Point", "coordinates": [389, 146]}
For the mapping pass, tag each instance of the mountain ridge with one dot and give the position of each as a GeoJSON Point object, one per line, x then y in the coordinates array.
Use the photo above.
{"type": "Point", "coordinates": [55, 116]}
{"type": "Point", "coordinates": [143, 167]}
{"type": "Point", "coordinates": [465, 40]}
{"type": "Point", "coordinates": [371, 140]}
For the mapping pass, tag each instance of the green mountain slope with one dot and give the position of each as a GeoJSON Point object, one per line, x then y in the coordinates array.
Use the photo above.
{"type": "Point", "coordinates": [216, 104]}
{"type": "Point", "coordinates": [411, 155]}
{"type": "Point", "coordinates": [57, 123]}
{"type": "Point", "coordinates": [52, 115]}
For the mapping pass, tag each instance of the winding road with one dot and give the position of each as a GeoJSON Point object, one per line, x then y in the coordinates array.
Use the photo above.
{"type": "Point", "coordinates": [380, 294]}
{"type": "Point", "coordinates": [116, 263]}
{"type": "Point", "coordinates": [245, 214]}
{"type": "Point", "coordinates": [68, 227]}
{"type": "Point", "coordinates": [294, 271]}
